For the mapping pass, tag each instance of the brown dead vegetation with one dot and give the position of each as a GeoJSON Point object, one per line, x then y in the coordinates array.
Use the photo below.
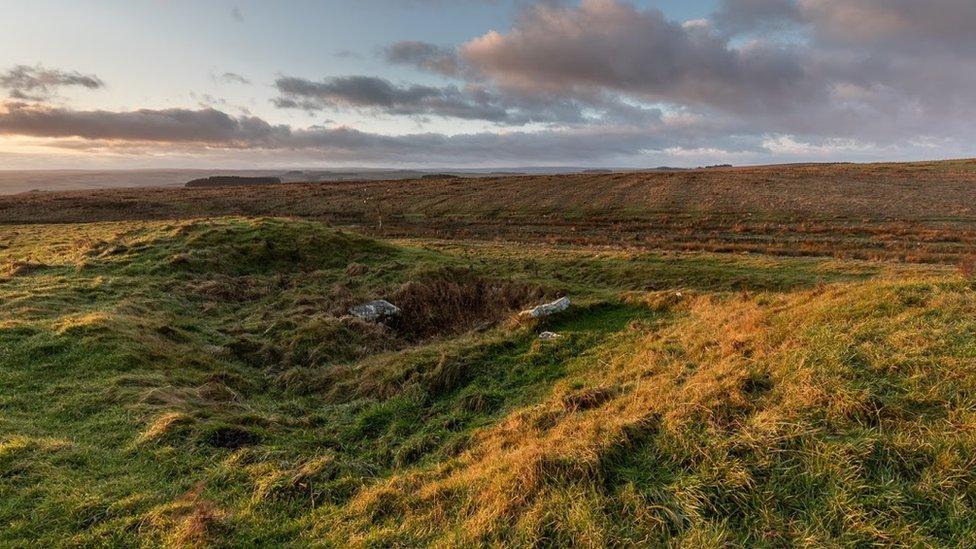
{"type": "Point", "coordinates": [453, 300]}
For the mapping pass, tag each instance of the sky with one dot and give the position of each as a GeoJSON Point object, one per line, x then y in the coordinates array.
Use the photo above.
{"type": "Point", "coordinates": [483, 83]}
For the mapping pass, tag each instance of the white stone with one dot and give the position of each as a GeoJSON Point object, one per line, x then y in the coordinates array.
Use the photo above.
{"type": "Point", "coordinates": [547, 309]}
{"type": "Point", "coordinates": [375, 310]}
{"type": "Point", "coordinates": [548, 336]}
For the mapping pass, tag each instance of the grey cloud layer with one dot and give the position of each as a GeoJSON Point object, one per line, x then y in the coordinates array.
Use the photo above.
{"type": "Point", "coordinates": [423, 55]}
{"type": "Point", "coordinates": [377, 93]}
{"type": "Point", "coordinates": [162, 126]}
{"type": "Point", "coordinates": [737, 16]}
{"type": "Point", "coordinates": [471, 102]}
{"type": "Point", "coordinates": [905, 25]}
{"type": "Point", "coordinates": [37, 83]}
{"type": "Point", "coordinates": [187, 129]}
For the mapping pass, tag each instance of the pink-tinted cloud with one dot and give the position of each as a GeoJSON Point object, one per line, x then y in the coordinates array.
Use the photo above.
{"type": "Point", "coordinates": [606, 45]}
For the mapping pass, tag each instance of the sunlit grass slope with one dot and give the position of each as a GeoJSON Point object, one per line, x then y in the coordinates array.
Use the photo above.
{"type": "Point", "coordinates": [196, 383]}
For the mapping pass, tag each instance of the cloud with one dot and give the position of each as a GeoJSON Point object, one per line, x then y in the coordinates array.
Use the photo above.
{"type": "Point", "coordinates": [206, 135]}
{"type": "Point", "coordinates": [231, 78]}
{"type": "Point", "coordinates": [38, 83]}
{"type": "Point", "coordinates": [164, 126]}
{"type": "Point", "coordinates": [738, 16]}
{"type": "Point", "coordinates": [423, 55]}
{"type": "Point", "coordinates": [380, 95]}
{"type": "Point", "coordinates": [605, 79]}
{"type": "Point", "coordinates": [169, 130]}
{"type": "Point", "coordinates": [873, 70]}
{"type": "Point", "coordinates": [900, 25]}
{"type": "Point", "coordinates": [606, 45]}
{"type": "Point", "coordinates": [903, 25]}
{"type": "Point", "coordinates": [893, 69]}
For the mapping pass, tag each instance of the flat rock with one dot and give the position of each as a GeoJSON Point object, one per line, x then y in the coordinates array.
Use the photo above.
{"type": "Point", "coordinates": [547, 309]}
{"type": "Point", "coordinates": [548, 336]}
{"type": "Point", "coordinates": [375, 310]}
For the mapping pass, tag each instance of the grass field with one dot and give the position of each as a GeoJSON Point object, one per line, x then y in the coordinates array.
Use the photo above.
{"type": "Point", "coordinates": [170, 379]}
{"type": "Point", "coordinates": [919, 212]}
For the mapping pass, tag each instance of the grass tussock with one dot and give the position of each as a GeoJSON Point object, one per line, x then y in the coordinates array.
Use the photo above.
{"type": "Point", "coordinates": [164, 426]}
{"type": "Point", "coordinates": [189, 521]}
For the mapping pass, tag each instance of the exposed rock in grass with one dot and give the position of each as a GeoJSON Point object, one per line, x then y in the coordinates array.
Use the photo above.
{"type": "Point", "coordinates": [375, 311]}
{"type": "Point", "coordinates": [549, 336]}
{"type": "Point", "coordinates": [547, 309]}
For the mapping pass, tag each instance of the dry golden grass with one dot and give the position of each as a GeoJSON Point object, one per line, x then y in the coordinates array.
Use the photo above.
{"type": "Point", "coordinates": [741, 387]}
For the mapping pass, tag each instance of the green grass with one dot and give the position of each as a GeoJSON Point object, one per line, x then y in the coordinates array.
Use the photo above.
{"type": "Point", "coordinates": [196, 383]}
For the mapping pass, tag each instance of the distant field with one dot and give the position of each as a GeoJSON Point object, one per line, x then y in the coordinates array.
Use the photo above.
{"type": "Point", "coordinates": [917, 212]}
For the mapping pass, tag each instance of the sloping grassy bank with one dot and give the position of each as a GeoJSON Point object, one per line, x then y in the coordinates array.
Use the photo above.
{"type": "Point", "coordinates": [194, 383]}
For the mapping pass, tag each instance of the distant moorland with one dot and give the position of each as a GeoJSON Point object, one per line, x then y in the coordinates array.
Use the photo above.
{"type": "Point", "coordinates": [918, 212]}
